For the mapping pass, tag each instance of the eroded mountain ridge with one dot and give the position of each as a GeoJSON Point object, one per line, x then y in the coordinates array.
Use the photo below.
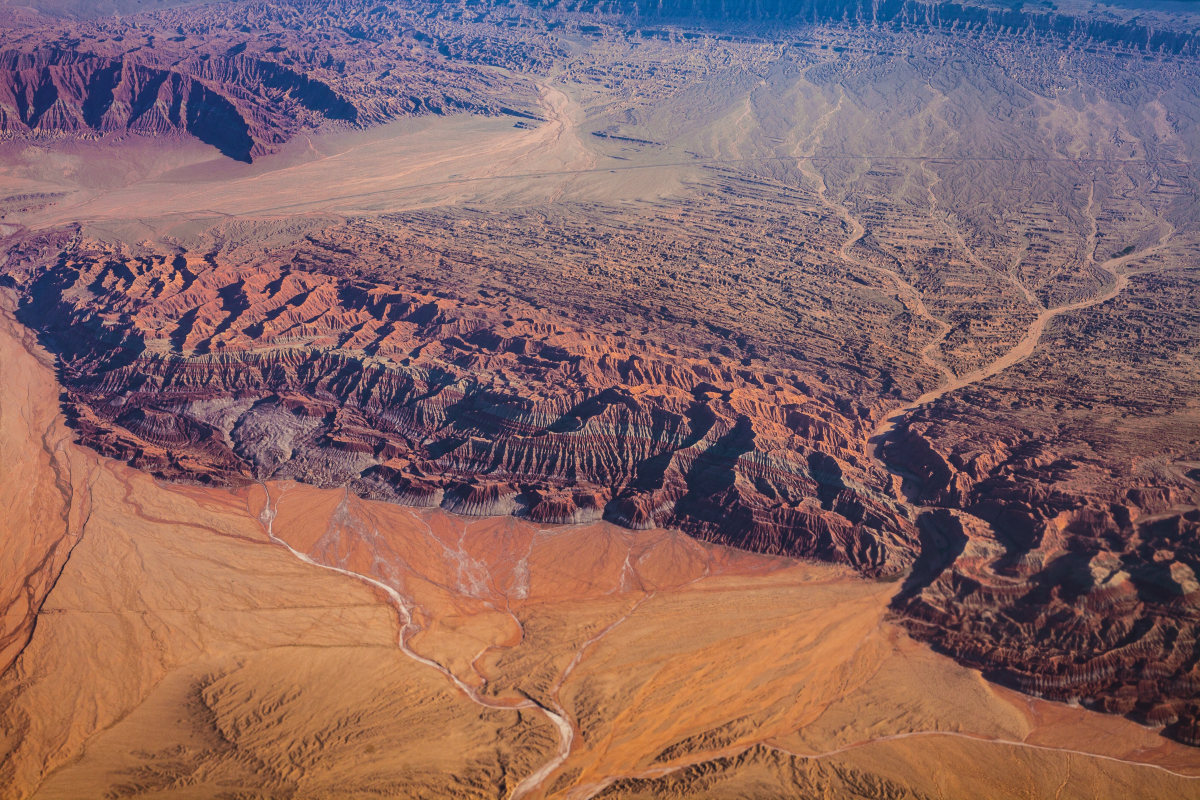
{"type": "Point", "coordinates": [874, 224]}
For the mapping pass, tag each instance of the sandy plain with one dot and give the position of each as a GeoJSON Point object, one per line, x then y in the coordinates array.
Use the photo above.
{"type": "Point", "coordinates": [282, 640]}
{"type": "Point", "coordinates": [411, 163]}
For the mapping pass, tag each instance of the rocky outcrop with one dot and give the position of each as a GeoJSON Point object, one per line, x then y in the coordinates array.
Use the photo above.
{"type": "Point", "coordinates": [201, 370]}
{"type": "Point", "coordinates": [238, 105]}
{"type": "Point", "coordinates": [248, 77]}
{"type": "Point", "coordinates": [1075, 616]}
{"type": "Point", "coordinates": [1053, 566]}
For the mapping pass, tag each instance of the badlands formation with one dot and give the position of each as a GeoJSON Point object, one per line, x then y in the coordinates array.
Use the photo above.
{"type": "Point", "coordinates": [607, 399]}
{"type": "Point", "coordinates": [281, 640]}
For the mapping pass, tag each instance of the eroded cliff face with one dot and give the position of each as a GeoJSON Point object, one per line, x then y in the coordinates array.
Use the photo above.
{"type": "Point", "coordinates": [244, 79]}
{"type": "Point", "coordinates": [1068, 535]}
{"type": "Point", "coordinates": [238, 105]}
{"type": "Point", "coordinates": [1091, 612]}
{"type": "Point", "coordinates": [282, 640]}
{"type": "Point", "coordinates": [197, 369]}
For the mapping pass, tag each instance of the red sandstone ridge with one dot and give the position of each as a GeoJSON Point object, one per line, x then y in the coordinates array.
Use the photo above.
{"type": "Point", "coordinates": [197, 369]}
{"type": "Point", "coordinates": [1068, 540]}
{"type": "Point", "coordinates": [185, 650]}
{"type": "Point", "coordinates": [233, 103]}
{"type": "Point", "coordinates": [199, 74]}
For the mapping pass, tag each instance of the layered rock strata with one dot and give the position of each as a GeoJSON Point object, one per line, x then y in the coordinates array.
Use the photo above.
{"type": "Point", "coordinates": [1068, 537]}
{"type": "Point", "coordinates": [200, 370]}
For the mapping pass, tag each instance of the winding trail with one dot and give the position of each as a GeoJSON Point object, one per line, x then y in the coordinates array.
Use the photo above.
{"type": "Point", "coordinates": [1118, 280]}
{"type": "Point", "coordinates": [553, 710]}
{"type": "Point", "coordinates": [1028, 342]}
{"type": "Point", "coordinates": [556, 716]}
{"type": "Point", "coordinates": [908, 294]}
{"type": "Point", "coordinates": [978, 738]}
{"type": "Point", "coordinates": [592, 790]}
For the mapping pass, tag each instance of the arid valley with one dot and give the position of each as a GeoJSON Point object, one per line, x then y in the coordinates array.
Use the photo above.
{"type": "Point", "coordinates": [595, 399]}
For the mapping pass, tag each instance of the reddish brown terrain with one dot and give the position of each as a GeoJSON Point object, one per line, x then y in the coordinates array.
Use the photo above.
{"type": "Point", "coordinates": [398, 290]}
{"type": "Point", "coordinates": [283, 640]}
{"type": "Point", "coordinates": [227, 373]}
{"type": "Point", "coordinates": [192, 74]}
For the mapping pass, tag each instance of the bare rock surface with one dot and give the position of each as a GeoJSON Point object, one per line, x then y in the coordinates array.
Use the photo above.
{"type": "Point", "coordinates": [904, 286]}
{"type": "Point", "coordinates": [284, 640]}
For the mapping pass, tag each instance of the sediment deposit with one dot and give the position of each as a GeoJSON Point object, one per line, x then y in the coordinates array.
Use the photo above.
{"type": "Point", "coordinates": [388, 293]}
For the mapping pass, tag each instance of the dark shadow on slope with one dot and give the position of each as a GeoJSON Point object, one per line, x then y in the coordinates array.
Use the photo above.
{"type": "Point", "coordinates": [942, 542]}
